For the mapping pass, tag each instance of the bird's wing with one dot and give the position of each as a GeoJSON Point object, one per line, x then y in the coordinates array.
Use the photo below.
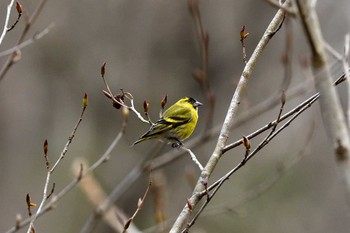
{"type": "Point", "coordinates": [179, 116]}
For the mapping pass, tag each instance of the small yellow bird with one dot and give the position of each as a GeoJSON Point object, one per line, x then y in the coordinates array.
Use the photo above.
{"type": "Point", "coordinates": [177, 123]}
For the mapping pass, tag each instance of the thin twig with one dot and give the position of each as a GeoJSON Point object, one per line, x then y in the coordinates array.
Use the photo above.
{"type": "Point", "coordinates": [70, 139]}
{"type": "Point", "coordinates": [50, 205]}
{"type": "Point", "coordinates": [120, 101]}
{"type": "Point", "coordinates": [11, 60]}
{"type": "Point", "coordinates": [27, 42]}
{"type": "Point", "coordinates": [193, 157]}
{"type": "Point", "coordinates": [287, 55]}
{"type": "Point", "coordinates": [332, 51]}
{"type": "Point", "coordinates": [244, 35]}
{"type": "Point", "coordinates": [19, 14]}
{"type": "Point", "coordinates": [7, 18]}
{"type": "Point", "coordinates": [139, 206]}
{"type": "Point", "coordinates": [345, 62]}
{"type": "Point", "coordinates": [130, 178]}
{"type": "Point", "coordinates": [50, 171]}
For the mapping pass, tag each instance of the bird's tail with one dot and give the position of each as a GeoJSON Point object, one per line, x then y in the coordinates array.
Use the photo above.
{"type": "Point", "coordinates": [138, 141]}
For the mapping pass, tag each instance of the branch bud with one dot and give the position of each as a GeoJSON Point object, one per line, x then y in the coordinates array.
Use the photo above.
{"type": "Point", "coordinates": [164, 101]}
{"type": "Point", "coordinates": [29, 202]}
{"type": "Point", "coordinates": [127, 224]}
{"type": "Point", "coordinates": [125, 112]}
{"type": "Point", "coordinates": [246, 143]}
{"type": "Point", "coordinates": [85, 101]}
{"type": "Point", "coordinates": [145, 106]}
{"type": "Point", "coordinates": [19, 7]}
{"type": "Point", "coordinates": [46, 147]}
{"type": "Point", "coordinates": [103, 69]}
{"type": "Point", "coordinates": [243, 34]}
{"type": "Point", "coordinates": [189, 204]}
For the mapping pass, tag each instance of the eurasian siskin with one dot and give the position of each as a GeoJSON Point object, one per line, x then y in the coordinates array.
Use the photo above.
{"type": "Point", "coordinates": [177, 123]}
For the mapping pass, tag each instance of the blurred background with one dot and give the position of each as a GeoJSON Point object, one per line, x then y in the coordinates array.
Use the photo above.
{"type": "Point", "coordinates": [151, 49]}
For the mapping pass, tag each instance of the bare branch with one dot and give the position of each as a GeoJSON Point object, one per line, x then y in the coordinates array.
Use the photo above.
{"type": "Point", "coordinates": [139, 206]}
{"type": "Point", "coordinates": [27, 42]}
{"type": "Point", "coordinates": [7, 18]}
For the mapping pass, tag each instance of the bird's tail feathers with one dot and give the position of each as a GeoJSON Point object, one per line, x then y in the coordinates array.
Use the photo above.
{"type": "Point", "coordinates": [138, 141]}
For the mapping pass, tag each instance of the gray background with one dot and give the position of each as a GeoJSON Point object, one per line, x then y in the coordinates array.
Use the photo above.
{"type": "Point", "coordinates": [151, 49]}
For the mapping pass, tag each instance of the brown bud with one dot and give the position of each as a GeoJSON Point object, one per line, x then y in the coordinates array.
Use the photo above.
{"type": "Point", "coordinates": [145, 106]}
{"type": "Point", "coordinates": [28, 199]}
{"type": "Point", "coordinates": [243, 34]}
{"type": "Point", "coordinates": [19, 7]}
{"type": "Point", "coordinates": [103, 69]}
{"type": "Point", "coordinates": [46, 147]}
{"type": "Point", "coordinates": [29, 202]}
{"type": "Point", "coordinates": [246, 143]}
{"type": "Point", "coordinates": [164, 101]}
{"type": "Point", "coordinates": [127, 224]}
{"type": "Point", "coordinates": [189, 204]}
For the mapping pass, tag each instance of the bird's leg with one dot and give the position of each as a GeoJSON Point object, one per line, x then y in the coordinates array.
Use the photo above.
{"type": "Point", "coordinates": [176, 144]}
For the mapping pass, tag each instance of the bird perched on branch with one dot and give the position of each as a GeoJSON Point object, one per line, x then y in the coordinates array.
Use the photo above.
{"type": "Point", "coordinates": [177, 123]}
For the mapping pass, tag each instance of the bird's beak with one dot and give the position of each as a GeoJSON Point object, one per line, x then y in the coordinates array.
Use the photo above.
{"type": "Point", "coordinates": [197, 104]}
